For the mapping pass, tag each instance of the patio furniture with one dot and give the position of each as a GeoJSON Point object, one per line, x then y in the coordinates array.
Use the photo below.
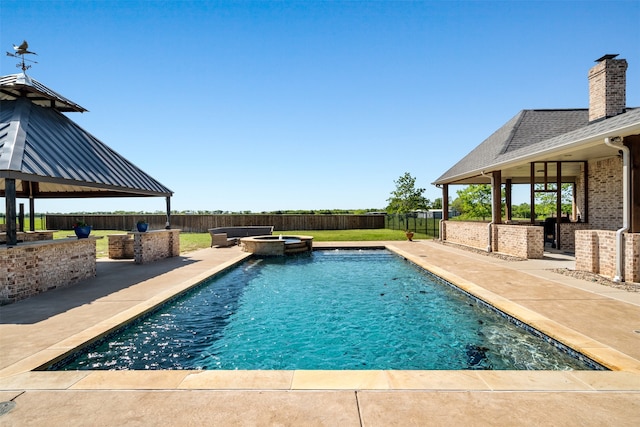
{"type": "Point", "coordinates": [229, 236]}
{"type": "Point", "coordinates": [550, 231]}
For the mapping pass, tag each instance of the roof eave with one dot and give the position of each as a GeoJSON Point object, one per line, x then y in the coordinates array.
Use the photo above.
{"type": "Point", "coordinates": [100, 189]}
{"type": "Point", "coordinates": [631, 129]}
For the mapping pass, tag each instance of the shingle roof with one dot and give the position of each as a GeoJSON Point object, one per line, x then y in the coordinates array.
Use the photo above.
{"type": "Point", "coordinates": [42, 145]}
{"type": "Point", "coordinates": [533, 133]}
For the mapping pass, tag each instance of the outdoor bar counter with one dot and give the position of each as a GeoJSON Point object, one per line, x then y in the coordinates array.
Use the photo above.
{"type": "Point", "coordinates": [31, 268]}
{"type": "Point", "coordinates": [29, 236]}
{"type": "Point", "coordinates": [145, 247]}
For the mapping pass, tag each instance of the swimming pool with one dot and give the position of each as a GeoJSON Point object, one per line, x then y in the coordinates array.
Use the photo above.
{"type": "Point", "coordinates": [345, 309]}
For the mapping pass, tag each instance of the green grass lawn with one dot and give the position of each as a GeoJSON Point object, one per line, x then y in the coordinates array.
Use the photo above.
{"type": "Point", "coordinates": [194, 241]}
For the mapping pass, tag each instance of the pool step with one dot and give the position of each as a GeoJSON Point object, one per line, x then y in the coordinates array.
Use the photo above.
{"type": "Point", "coordinates": [294, 248]}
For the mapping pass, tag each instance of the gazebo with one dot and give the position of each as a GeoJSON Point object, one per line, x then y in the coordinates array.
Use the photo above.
{"type": "Point", "coordinates": [45, 155]}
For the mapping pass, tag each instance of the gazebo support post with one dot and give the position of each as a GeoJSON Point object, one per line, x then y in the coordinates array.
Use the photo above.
{"type": "Point", "coordinates": [21, 217]}
{"type": "Point", "coordinates": [32, 209]}
{"type": "Point", "coordinates": [168, 224]}
{"type": "Point", "coordinates": [32, 214]}
{"type": "Point", "coordinates": [10, 203]}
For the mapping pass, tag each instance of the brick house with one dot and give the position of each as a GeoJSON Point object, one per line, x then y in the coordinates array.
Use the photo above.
{"type": "Point", "coordinates": [594, 151]}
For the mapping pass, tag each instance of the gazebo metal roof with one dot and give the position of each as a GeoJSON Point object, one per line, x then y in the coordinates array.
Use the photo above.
{"type": "Point", "coordinates": [16, 86]}
{"type": "Point", "coordinates": [44, 154]}
{"type": "Point", "coordinates": [50, 156]}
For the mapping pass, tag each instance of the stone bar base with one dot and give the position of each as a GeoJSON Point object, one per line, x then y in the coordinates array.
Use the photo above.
{"type": "Point", "coordinates": [120, 246]}
{"type": "Point", "coordinates": [154, 245]}
{"type": "Point", "coordinates": [145, 247]}
{"type": "Point", "coordinates": [31, 268]}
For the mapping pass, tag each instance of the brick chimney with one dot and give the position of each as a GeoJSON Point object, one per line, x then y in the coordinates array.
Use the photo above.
{"type": "Point", "coordinates": [607, 88]}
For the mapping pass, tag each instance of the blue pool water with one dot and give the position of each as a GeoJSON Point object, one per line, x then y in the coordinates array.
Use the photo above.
{"type": "Point", "coordinates": [334, 310]}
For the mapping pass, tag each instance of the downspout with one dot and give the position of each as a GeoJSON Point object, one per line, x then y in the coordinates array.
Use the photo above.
{"type": "Point", "coordinates": [490, 225]}
{"type": "Point", "coordinates": [616, 142]}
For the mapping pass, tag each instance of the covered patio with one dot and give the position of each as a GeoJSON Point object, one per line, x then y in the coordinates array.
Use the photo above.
{"type": "Point", "coordinates": [594, 152]}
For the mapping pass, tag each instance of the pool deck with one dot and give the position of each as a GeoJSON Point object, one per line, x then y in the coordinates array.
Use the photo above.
{"type": "Point", "coordinates": [600, 321]}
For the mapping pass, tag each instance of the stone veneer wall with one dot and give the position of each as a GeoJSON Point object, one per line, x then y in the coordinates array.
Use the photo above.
{"type": "Point", "coordinates": [120, 246]}
{"type": "Point", "coordinates": [29, 236]}
{"type": "Point", "coordinates": [595, 249]}
{"type": "Point", "coordinates": [34, 236]}
{"type": "Point", "coordinates": [524, 241]}
{"type": "Point", "coordinates": [154, 245]}
{"type": "Point", "coordinates": [605, 194]}
{"type": "Point", "coordinates": [632, 257]}
{"type": "Point", "coordinates": [596, 253]}
{"type": "Point", "coordinates": [567, 234]}
{"type": "Point", "coordinates": [32, 268]}
{"type": "Point", "coordinates": [474, 234]}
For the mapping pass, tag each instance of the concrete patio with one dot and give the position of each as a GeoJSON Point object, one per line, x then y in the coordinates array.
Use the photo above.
{"type": "Point", "coordinates": [600, 321]}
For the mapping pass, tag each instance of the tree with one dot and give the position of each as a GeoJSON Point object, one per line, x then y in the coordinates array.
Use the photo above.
{"type": "Point", "coordinates": [523, 210]}
{"type": "Point", "coordinates": [546, 202]}
{"type": "Point", "coordinates": [406, 197]}
{"type": "Point", "coordinates": [474, 201]}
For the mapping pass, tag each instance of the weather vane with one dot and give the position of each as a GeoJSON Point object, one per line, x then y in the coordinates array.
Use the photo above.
{"type": "Point", "coordinates": [20, 52]}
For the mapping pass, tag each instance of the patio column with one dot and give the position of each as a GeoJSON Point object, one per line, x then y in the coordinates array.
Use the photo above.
{"type": "Point", "coordinates": [507, 203]}
{"type": "Point", "coordinates": [445, 202]}
{"type": "Point", "coordinates": [10, 203]}
{"type": "Point", "coordinates": [496, 194]}
{"type": "Point", "coordinates": [445, 212]}
{"type": "Point", "coordinates": [532, 193]}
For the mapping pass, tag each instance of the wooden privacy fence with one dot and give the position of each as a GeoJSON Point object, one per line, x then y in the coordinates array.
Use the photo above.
{"type": "Point", "coordinates": [201, 223]}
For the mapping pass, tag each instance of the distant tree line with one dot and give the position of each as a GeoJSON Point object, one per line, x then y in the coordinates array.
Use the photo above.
{"type": "Point", "coordinates": [223, 212]}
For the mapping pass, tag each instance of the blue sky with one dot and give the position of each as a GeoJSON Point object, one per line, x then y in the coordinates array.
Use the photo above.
{"type": "Point", "coordinates": [267, 105]}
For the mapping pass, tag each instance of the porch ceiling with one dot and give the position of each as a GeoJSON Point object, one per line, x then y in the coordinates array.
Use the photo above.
{"type": "Point", "coordinates": [572, 161]}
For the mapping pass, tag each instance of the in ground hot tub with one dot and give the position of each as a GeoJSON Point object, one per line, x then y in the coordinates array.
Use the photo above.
{"type": "Point", "coordinates": [276, 245]}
